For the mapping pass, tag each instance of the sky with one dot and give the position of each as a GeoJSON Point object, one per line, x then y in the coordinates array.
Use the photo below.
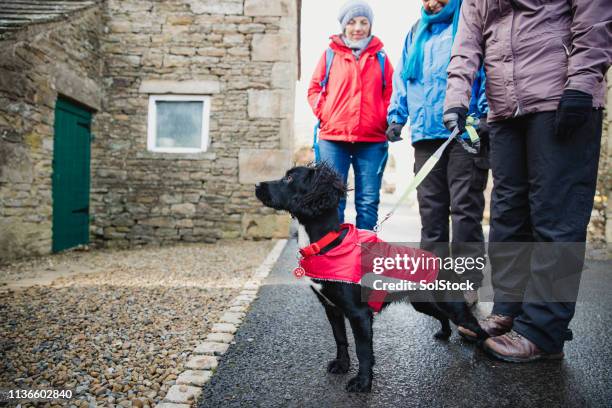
{"type": "Point", "coordinates": [392, 21]}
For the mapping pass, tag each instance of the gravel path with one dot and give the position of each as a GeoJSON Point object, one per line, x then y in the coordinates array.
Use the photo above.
{"type": "Point", "coordinates": [116, 326]}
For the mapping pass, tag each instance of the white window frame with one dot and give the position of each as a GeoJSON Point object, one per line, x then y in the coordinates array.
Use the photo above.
{"type": "Point", "coordinates": [152, 123]}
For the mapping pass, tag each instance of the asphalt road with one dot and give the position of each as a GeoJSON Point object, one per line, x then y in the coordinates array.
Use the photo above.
{"type": "Point", "coordinates": [282, 348]}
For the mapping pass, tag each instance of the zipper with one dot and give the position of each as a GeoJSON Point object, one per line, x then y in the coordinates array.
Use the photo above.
{"type": "Point", "coordinates": [518, 108]}
{"type": "Point", "coordinates": [358, 71]}
{"type": "Point", "coordinates": [567, 51]}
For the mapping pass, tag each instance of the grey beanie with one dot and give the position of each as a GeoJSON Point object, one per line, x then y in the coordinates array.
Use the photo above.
{"type": "Point", "coordinates": [352, 9]}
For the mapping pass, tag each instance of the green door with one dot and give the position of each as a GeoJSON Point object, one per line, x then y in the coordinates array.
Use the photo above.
{"type": "Point", "coordinates": [71, 156]}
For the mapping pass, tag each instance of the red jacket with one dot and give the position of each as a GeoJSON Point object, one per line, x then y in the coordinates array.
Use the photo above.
{"type": "Point", "coordinates": [354, 106]}
{"type": "Point", "coordinates": [355, 256]}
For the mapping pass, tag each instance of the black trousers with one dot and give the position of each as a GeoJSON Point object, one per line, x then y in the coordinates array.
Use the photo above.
{"type": "Point", "coordinates": [543, 193]}
{"type": "Point", "coordinates": [455, 189]}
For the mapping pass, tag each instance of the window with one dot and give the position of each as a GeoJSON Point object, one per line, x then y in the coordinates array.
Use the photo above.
{"type": "Point", "coordinates": [178, 123]}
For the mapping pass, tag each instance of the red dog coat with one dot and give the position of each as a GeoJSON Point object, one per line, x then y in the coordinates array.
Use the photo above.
{"type": "Point", "coordinates": [354, 257]}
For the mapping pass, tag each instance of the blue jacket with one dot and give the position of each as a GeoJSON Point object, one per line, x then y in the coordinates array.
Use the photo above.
{"type": "Point", "coordinates": [423, 101]}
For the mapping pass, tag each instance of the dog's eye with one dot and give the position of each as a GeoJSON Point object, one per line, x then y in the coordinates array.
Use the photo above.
{"type": "Point", "coordinates": [288, 179]}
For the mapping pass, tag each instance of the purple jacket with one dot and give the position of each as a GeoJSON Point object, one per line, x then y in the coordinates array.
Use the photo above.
{"type": "Point", "coordinates": [533, 50]}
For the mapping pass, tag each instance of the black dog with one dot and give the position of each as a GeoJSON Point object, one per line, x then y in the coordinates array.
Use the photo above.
{"type": "Point", "coordinates": [312, 194]}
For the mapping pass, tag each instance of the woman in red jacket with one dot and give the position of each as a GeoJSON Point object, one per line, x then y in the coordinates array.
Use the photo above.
{"type": "Point", "coordinates": [352, 108]}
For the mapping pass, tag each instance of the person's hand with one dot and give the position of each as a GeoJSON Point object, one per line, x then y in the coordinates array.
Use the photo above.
{"type": "Point", "coordinates": [455, 118]}
{"type": "Point", "coordinates": [394, 132]}
{"type": "Point", "coordinates": [575, 108]}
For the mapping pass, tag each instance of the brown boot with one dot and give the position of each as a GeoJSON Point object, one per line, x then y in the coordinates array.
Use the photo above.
{"type": "Point", "coordinates": [514, 348]}
{"type": "Point", "coordinates": [494, 325]}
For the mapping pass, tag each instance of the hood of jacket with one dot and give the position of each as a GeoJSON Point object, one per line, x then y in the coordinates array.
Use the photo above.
{"type": "Point", "coordinates": [337, 44]}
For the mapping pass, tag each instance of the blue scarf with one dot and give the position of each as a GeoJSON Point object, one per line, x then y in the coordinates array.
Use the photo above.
{"type": "Point", "coordinates": [413, 70]}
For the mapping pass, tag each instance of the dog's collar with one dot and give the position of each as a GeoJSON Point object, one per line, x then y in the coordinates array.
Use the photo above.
{"type": "Point", "coordinates": [315, 248]}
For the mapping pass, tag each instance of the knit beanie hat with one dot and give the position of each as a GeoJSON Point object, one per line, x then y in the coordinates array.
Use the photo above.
{"type": "Point", "coordinates": [352, 9]}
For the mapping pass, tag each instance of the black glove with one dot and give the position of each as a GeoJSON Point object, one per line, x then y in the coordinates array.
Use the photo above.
{"type": "Point", "coordinates": [455, 117]}
{"type": "Point", "coordinates": [575, 108]}
{"type": "Point", "coordinates": [394, 132]}
{"type": "Point", "coordinates": [483, 131]}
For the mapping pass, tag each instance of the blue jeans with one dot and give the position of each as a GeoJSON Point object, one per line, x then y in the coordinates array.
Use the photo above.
{"type": "Point", "coordinates": [369, 161]}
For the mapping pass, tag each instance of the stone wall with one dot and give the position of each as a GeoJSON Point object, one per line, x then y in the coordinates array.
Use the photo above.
{"type": "Point", "coordinates": [600, 226]}
{"type": "Point", "coordinates": [240, 52]}
{"type": "Point", "coordinates": [37, 64]}
{"type": "Point", "coordinates": [604, 186]}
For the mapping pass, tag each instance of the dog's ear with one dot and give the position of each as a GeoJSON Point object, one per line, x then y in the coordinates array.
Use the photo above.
{"type": "Point", "coordinates": [323, 190]}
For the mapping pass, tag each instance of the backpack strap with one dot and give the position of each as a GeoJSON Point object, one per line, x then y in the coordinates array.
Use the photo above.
{"type": "Point", "coordinates": [381, 60]}
{"type": "Point", "coordinates": [329, 58]}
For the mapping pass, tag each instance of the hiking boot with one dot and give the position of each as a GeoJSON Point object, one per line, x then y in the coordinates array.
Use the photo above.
{"type": "Point", "coordinates": [494, 325]}
{"type": "Point", "coordinates": [514, 348]}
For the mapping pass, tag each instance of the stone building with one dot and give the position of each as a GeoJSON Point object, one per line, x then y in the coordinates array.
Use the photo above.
{"type": "Point", "coordinates": [139, 121]}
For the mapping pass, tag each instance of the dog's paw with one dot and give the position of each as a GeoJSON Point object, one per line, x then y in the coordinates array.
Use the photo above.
{"type": "Point", "coordinates": [481, 335]}
{"type": "Point", "coordinates": [359, 384]}
{"type": "Point", "coordinates": [442, 334]}
{"type": "Point", "coordinates": [338, 366]}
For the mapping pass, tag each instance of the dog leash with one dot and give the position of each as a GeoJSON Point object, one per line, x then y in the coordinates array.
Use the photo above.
{"type": "Point", "coordinates": [470, 124]}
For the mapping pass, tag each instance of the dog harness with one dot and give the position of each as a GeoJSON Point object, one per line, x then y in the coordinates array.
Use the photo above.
{"type": "Point", "coordinates": [354, 257]}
